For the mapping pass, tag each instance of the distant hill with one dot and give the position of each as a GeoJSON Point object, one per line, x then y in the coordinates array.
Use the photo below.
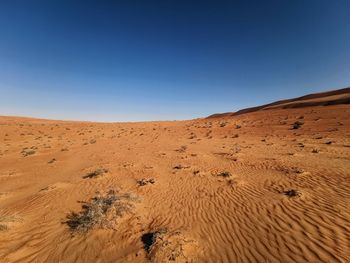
{"type": "Point", "coordinates": [334, 97]}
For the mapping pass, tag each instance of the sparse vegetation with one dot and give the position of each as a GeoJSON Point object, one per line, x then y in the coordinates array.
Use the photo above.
{"type": "Point", "coordinates": [96, 173]}
{"type": "Point", "coordinates": [223, 124]}
{"type": "Point", "coordinates": [179, 166]}
{"type": "Point", "coordinates": [192, 136]}
{"type": "Point", "coordinates": [148, 239]}
{"type": "Point", "coordinates": [163, 246]}
{"type": "Point", "coordinates": [182, 149]}
{"type": "Point", "coordinates": [291, 193]}
{"type": "Point", "coordinates": [144, 181]}
{"type": "Point", "coordinates": [224, 174]}
{"type": "Point", "coordinates": [297, 125]}
{"type": "Point", "coordinates": [100, 212]}
{"type": "Point", "coordinates": [198, 196]}
{"type": "Point", "coordinates": [297, 170]}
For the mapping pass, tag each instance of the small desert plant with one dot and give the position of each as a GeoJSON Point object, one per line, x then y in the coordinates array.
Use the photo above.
{"type": "Point", "coordinates": [95, 173]}
{"type": "Point", "coordinates": [181, 149]}
{"type": "Point", "coordinates": [224, 174]}
{"type": "Point", "coordinates": [148, 239]}
{"type": "Point", "coordinates": [145, 181]}
{"type": "Point", "coordinates": [291, 193]}
{"type": "Point", "coordinates": [192, 136]}
{"type": "Point", "coordinates": [163, 246]}
{"type": "Point", "coordinates": [179, 166]}
{"type": "Point", "coordinates": [296, 170]}
{"type": "Point", "coordinates": [297, 125]}
{"type": "Point", "coordinates": [195, 172]}
{"type": "Point", "coordinates": [100, 212]}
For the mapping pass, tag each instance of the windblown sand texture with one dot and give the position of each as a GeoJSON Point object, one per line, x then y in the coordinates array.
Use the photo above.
{"type": "Point", "coordinates": [265, 186]}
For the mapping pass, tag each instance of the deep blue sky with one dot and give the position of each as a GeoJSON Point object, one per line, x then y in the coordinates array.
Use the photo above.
{"type": "Point", "coordinates": [155, 60]}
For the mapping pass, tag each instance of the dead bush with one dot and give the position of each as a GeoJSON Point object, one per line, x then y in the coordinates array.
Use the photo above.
{"type": "Point", "coordinates": [95, 173]}
{"type": "Point", "coordinates": [144, 181]}
{"type": "Point", "coordinates": [163, 246]}
{"type": "Point", "coordinates": [297, 125]}
{"type": "Point", "coordinates": [291, 193]}
{"type": "Point", "coordinates": [224, 174]}
{"type": "Point", "coordinates": [100, 212]}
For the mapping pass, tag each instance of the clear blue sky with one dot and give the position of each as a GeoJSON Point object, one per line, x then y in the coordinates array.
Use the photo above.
{"type": "Point", "coordinates": [156, 60]}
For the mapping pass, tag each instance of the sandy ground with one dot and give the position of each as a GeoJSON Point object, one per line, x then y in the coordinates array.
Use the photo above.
{"type": "Point", "coordinates": [247, 188]}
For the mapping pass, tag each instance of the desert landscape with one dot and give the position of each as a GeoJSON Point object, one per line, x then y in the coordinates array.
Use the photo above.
{"type": "Point", "coordinates": [267, 184]}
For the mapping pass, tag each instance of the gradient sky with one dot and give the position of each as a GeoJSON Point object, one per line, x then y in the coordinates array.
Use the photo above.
{"type": "Point", "coordinates": [165, 60]}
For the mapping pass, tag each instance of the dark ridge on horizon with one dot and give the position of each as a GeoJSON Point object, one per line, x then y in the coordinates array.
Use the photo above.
{"type": "Point", "coordinates": [339, 96]}
{"type": "Point", "coordinates": [327, 98]}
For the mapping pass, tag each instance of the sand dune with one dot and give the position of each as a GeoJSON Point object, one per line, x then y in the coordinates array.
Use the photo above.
{"type": "Point", "coordinates": [266, 186]}
{"type": "Point", "coordinates": [334, 97]}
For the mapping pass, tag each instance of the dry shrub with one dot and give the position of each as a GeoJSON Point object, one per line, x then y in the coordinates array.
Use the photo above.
{"type": "Point", "coordinates": [297, 125]}
{"type": "Point", "coordinates": [224, 174]}
{"type": "Point", "coordinates": [144, 181]}
{"type": "Point", "coordinates": [96, 173]}
{"type": "Point", "coordinates": [100, 212]}
{"type": "Point", "coordinates": [292, 193]}
{"type": "Point", "coordinates": [163, 246]}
